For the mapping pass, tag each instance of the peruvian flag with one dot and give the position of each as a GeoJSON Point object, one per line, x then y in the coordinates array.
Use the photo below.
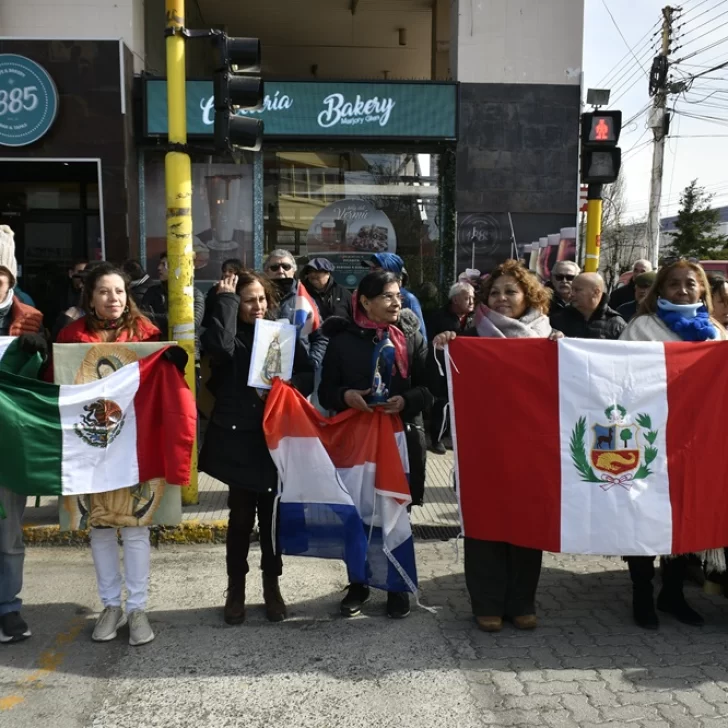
{"type": "Point", "coordinates": [591, 447]}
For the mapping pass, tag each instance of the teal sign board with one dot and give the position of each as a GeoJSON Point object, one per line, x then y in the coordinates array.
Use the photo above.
{"type": "Point", "coordinates": [28, 101]}
{"type": "Point", "coordinates": [324, 109]}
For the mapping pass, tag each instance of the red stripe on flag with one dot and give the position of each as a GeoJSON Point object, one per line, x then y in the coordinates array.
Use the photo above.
{"type": "Point", "coordinates": [697, 456]}
{"type": "Point", "coordinates": [506, 407]}
{"type": "Point", "coordinates": [166, 421]}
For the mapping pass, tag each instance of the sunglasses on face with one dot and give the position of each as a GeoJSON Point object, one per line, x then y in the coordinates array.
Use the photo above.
{"type": "Point", "coordinates": [277, 266]}
{"type": "Point", "coordinates": [561, 277]}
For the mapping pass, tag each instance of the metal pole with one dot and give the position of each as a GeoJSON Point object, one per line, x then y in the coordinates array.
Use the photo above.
{"type": "Point", "coordinates": [657, 122]}
{"type": "Point", "coordinates": [593, 228]}
{"type": "Point", "coordinates": [178, 185]}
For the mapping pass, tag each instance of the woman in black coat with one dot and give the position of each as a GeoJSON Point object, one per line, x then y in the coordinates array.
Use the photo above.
{"type": "Point", "coordinates": [235, 450]}
{"type": "Point", "coordinates": [347, 376]}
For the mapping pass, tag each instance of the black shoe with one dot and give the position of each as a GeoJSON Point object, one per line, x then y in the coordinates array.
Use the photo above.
{"type": "Point", "coordinates": [675, 604]}
{"type": "Point", "coordinates": [355, 597]}
{"type": "Point", "coordinates": [398, 605]}
{"type": "Point", "coordinates": [13, 628]}
{"type": "Point", "coordinates": [438, 448]}
{"type": "Point", "coordinates": [643, 610]}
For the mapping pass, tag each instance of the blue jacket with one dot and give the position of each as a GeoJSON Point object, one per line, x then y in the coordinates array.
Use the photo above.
{"type": "Point", "coordinates": [409, 300]}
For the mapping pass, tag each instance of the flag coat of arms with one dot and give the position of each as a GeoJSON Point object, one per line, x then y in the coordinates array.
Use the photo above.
{"type": "Point", "coordinates": [591, 447]}
{"type": "Point", "coordinates": [306, 317]}
{"type": "Point", "coordinates": [344, 491]}
{"type": "Point", "coordinates": [135, 425]}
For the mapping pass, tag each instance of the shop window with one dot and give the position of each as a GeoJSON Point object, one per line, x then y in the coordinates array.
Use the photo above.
{"type": "Point", "coordinates": [55, 196]}
{"type": "Point", "coordinates": [222, 215]}
{"type": "Point", "coordinates": [347, 206]}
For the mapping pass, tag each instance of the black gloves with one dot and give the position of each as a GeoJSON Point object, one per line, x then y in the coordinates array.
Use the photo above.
{"type": "Point", "coordinates": [33, 344]}
{"type": "Point", "coordinates": [178, 356]}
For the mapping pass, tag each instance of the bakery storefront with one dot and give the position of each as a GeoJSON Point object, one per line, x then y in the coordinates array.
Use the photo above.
{"type": "Point", "coordinates": [347, 170]}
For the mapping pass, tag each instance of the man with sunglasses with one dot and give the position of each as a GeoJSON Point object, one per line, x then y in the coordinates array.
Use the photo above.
{"type": "Point", "coordinates": [625, 294]}
{"type": "Point", "coordinates": [280, 267]}
{"type": "Point", "coordinates": [562, 278]}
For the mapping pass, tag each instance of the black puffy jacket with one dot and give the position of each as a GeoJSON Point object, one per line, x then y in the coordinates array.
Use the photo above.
{"type": "Point", "coordinates": [348, 365]}
{"type": "Point", "coordinates": [604, 323]}
{"type": "Point", "coordinates": [335, 300]}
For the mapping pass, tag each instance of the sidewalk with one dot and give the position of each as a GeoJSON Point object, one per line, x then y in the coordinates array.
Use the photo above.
{"type": "Point", "coordinates": [206, 522]}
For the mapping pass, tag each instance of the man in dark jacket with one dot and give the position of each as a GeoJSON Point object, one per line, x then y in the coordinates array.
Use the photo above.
{"type": "Point", "coordinates": [562, 277]}
{"type": "Point", "coordinates": [331, 298]}
{"type": "Point", "coordinates": [642, 284]}
{"type": "Point", "coordinates": [457, 316]}
{"type": "Point", "coordinates": [141, 281]}
{"type": "Point", "coordinates": [626, 293]}
{"type": "Point", "coordinates": [589, 316]}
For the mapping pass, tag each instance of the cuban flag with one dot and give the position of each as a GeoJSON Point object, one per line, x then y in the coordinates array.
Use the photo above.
{"type": "Point", "coordinates": [343, 489]}
{"type": "Point", "coordinates": [306, 317]}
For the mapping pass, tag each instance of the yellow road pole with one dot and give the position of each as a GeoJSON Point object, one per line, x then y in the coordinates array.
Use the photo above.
{"type": "Point", "coordinates": [593, 228]}
{"type": "Point", "coordinates": [178, 185]}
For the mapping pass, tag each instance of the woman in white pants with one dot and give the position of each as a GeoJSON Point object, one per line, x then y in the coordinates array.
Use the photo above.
{"type": "Point", "coordinates": [111, 316]}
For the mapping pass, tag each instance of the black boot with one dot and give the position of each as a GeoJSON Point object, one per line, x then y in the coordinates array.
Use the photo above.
{"type": "Point", "coordinates": [234, 612]}
{"type": "Point", "coordinates": [642, 571]}
{"type": "Point", "coordinates": [671, 598]}
{"type": "Point", "coordinates": [275, 607]}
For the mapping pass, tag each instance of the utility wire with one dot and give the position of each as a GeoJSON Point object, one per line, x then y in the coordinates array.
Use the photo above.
{"type": "Point", "coordinates": [621, 35]}
{"type": "Point", "coordinates": [702, 50]}
{"type": "Point", "coordinates": [626, 56]}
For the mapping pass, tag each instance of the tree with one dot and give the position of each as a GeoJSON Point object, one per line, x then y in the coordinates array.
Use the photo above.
{"type": "Point", "coordinates": [696, 224]}
{"type": "Point", "coordinates": [625, 436]}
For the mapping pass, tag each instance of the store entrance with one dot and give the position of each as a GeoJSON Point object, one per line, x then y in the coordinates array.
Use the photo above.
{"type": "Point", "coordinates": [53, 209]}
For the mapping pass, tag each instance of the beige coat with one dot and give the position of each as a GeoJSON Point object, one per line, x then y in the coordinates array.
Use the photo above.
{"type": "Point", "coordinates": [652, 328]}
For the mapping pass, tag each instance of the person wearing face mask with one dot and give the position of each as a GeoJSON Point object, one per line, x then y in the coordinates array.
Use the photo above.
{"type": "Point", "coordinates": [678, 307]}
{"type": "Point", "coordinates": [235, 450]}
{"type": "Point", "coordinates": [642, 284]}
{"type": "Point", "coordinates": [346, 380]}
{"type": "Point", "coordinates": [456, 315]}
{"type": "Point", "coordinates": [112, 316]}
{"type": "Point", "coordinates": [280, 269]}
{"type": "Point", "coordinates": [502, 578]}
{"type": "Point", "coordinates": [562, 277]}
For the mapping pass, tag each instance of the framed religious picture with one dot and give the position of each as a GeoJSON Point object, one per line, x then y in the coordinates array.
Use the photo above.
{"type": "Point", "coordinates": [274, 346]}
{"type": "Point", "coordinates": [145, 504]}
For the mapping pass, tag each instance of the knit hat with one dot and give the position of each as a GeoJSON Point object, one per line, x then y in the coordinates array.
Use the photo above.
{"type": "Point", "coordinates": [645, 280]}
{"type": "Point", "coordinates": [7, 250]}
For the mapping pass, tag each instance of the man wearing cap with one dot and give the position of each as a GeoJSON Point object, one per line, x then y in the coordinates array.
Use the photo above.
{"type": "Point", "coordinates": [626, 293]}
{"type": "Point", "coordinates": [642, 283]}
{"type": "Point", "coordinates": [394, 264]}
{"type": "Point", "coordinates": [331, 298]}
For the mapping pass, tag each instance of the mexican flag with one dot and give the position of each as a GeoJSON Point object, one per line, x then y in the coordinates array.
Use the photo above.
{"type": "Point", "coordinates": [135, 425]}
{"type": "Point", "coordinates": [591, 447]}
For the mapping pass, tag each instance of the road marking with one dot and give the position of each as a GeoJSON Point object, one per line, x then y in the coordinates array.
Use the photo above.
{"type": "Point", "coordinates": [48, 662]}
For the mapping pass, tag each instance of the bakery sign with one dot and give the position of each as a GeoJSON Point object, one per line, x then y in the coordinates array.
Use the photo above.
{"type": "Point", "coordinates": [322, 109]}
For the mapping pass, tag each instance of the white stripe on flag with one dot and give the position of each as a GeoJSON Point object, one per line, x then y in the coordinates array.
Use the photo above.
{"type": "Point", "coordinates": [635, 517]}
{"type": "Point", "coordinates": [5, 342]}
{"type": "Point", "coordinates": [89, 468]}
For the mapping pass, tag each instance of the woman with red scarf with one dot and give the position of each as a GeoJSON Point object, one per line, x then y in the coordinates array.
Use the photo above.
{"type": "Point", "coordinates": [346, 381]}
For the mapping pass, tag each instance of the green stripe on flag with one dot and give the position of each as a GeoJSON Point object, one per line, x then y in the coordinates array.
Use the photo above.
{"type": "Point", "coordinates": [16, 361]}
{"type": "Point", "coordinates": [30, 436]}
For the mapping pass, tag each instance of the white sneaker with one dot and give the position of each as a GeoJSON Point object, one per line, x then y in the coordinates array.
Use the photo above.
{"type": "Point", "coordinates": [108, 623]}
{"type": "Point", "coordinates": [140, 631]}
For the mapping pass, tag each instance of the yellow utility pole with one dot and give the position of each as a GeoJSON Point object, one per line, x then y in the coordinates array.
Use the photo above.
{"type": "Point", "coordinates": [178, 184]}
{"type": "Point", "coordinates": [593, 228]}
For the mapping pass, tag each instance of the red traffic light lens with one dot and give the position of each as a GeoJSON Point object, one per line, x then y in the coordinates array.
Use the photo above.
{"type": "Point", "coordinates": [602, 129]}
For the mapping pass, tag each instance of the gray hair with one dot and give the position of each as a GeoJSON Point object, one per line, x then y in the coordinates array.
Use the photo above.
{"type": "Point", "coordinates": [562, 263]}
{"type": "Point", "coordinates": [279, 253]}
{"type": "Point", "coordinates": [458, 288]}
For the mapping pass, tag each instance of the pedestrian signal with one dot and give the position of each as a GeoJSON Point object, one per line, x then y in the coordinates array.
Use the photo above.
{"type": "Point", "coordinates": [600, 156]}
{"type": "Point", "coordinates": [601, 127]}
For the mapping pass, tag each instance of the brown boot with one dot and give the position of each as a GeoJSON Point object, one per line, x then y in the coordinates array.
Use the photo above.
{"type": "Point", "coordinates": [234, 612]}
{"type": "Point", "coordinates": [489, 624]}
{"type": "Point", "coordinates": [275, 607]}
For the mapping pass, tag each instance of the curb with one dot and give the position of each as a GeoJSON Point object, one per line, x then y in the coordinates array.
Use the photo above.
{"type": "Point", "coordinates": [188, 532]}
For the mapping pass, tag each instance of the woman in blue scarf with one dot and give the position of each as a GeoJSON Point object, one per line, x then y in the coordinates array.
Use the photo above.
{"type": "Point", "coordinates": [678, 307]}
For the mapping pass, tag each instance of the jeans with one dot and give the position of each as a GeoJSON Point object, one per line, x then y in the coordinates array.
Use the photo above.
{"type": "Point", "coordinates": [12, 551]}
{"type": "Point", "coordinates": [243, 505]}
{"type": "Point", "coordinates": [137, 556]}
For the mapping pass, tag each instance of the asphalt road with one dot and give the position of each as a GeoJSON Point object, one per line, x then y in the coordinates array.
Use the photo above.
{"type": "Point", "coordinates": [586, 667]}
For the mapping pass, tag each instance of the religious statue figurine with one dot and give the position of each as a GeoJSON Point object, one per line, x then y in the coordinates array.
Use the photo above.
{"type": "Point", "coordinates": [272, 365]}
{"type": "Point", "coordinates": [382, 371]}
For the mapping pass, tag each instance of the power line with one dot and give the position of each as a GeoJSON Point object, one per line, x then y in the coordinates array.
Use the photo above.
{"type": "Point", "coordinates": [702, 50]}
{"type": "Point", "coordinates": [709, 32]}
{"type": "Point", "coordinates": [621, 35]}
{"type": "Point", "coordinates": [626, 56]}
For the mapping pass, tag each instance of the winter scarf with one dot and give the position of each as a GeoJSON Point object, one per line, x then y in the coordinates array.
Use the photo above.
{"type": "Point", "coordinates": [396, 336]}
{"type": "Point", "coordinates": [690, 321]}
{"type": "Point", "coordinates": [532, 325]}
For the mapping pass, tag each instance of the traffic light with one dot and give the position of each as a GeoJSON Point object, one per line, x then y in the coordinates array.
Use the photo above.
{"type": "Point", "coordinates": [601, 158]}
{"type": "Point", "coordinates": [235, 88]}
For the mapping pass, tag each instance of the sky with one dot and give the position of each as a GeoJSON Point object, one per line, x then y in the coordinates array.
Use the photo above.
{"type": "Point", "coordinates": [696, 148]}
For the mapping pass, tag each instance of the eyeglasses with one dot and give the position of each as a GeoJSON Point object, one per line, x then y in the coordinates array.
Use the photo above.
{"type": "Point", "coordinates": [390, 298]}
{"type": "Point", "coordinates": [561, 277]}
{"type": "Point", "coordinates": [277, 266]}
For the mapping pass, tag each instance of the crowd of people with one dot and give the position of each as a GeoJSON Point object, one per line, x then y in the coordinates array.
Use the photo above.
{"type": "Point", "coordinates": [106, 303]}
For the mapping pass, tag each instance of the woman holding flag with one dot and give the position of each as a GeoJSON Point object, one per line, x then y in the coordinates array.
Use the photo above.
{"type": "Point", "coordinates": [349, 371]}
{"type": "Point", "coordinates": [502, 578]}
{"type": "Point", "coordinates": [235, 450]}
{"type": "Point", "coordinates": [678, 307]}
{"type": "Point", "coordinates": [113, 317]}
